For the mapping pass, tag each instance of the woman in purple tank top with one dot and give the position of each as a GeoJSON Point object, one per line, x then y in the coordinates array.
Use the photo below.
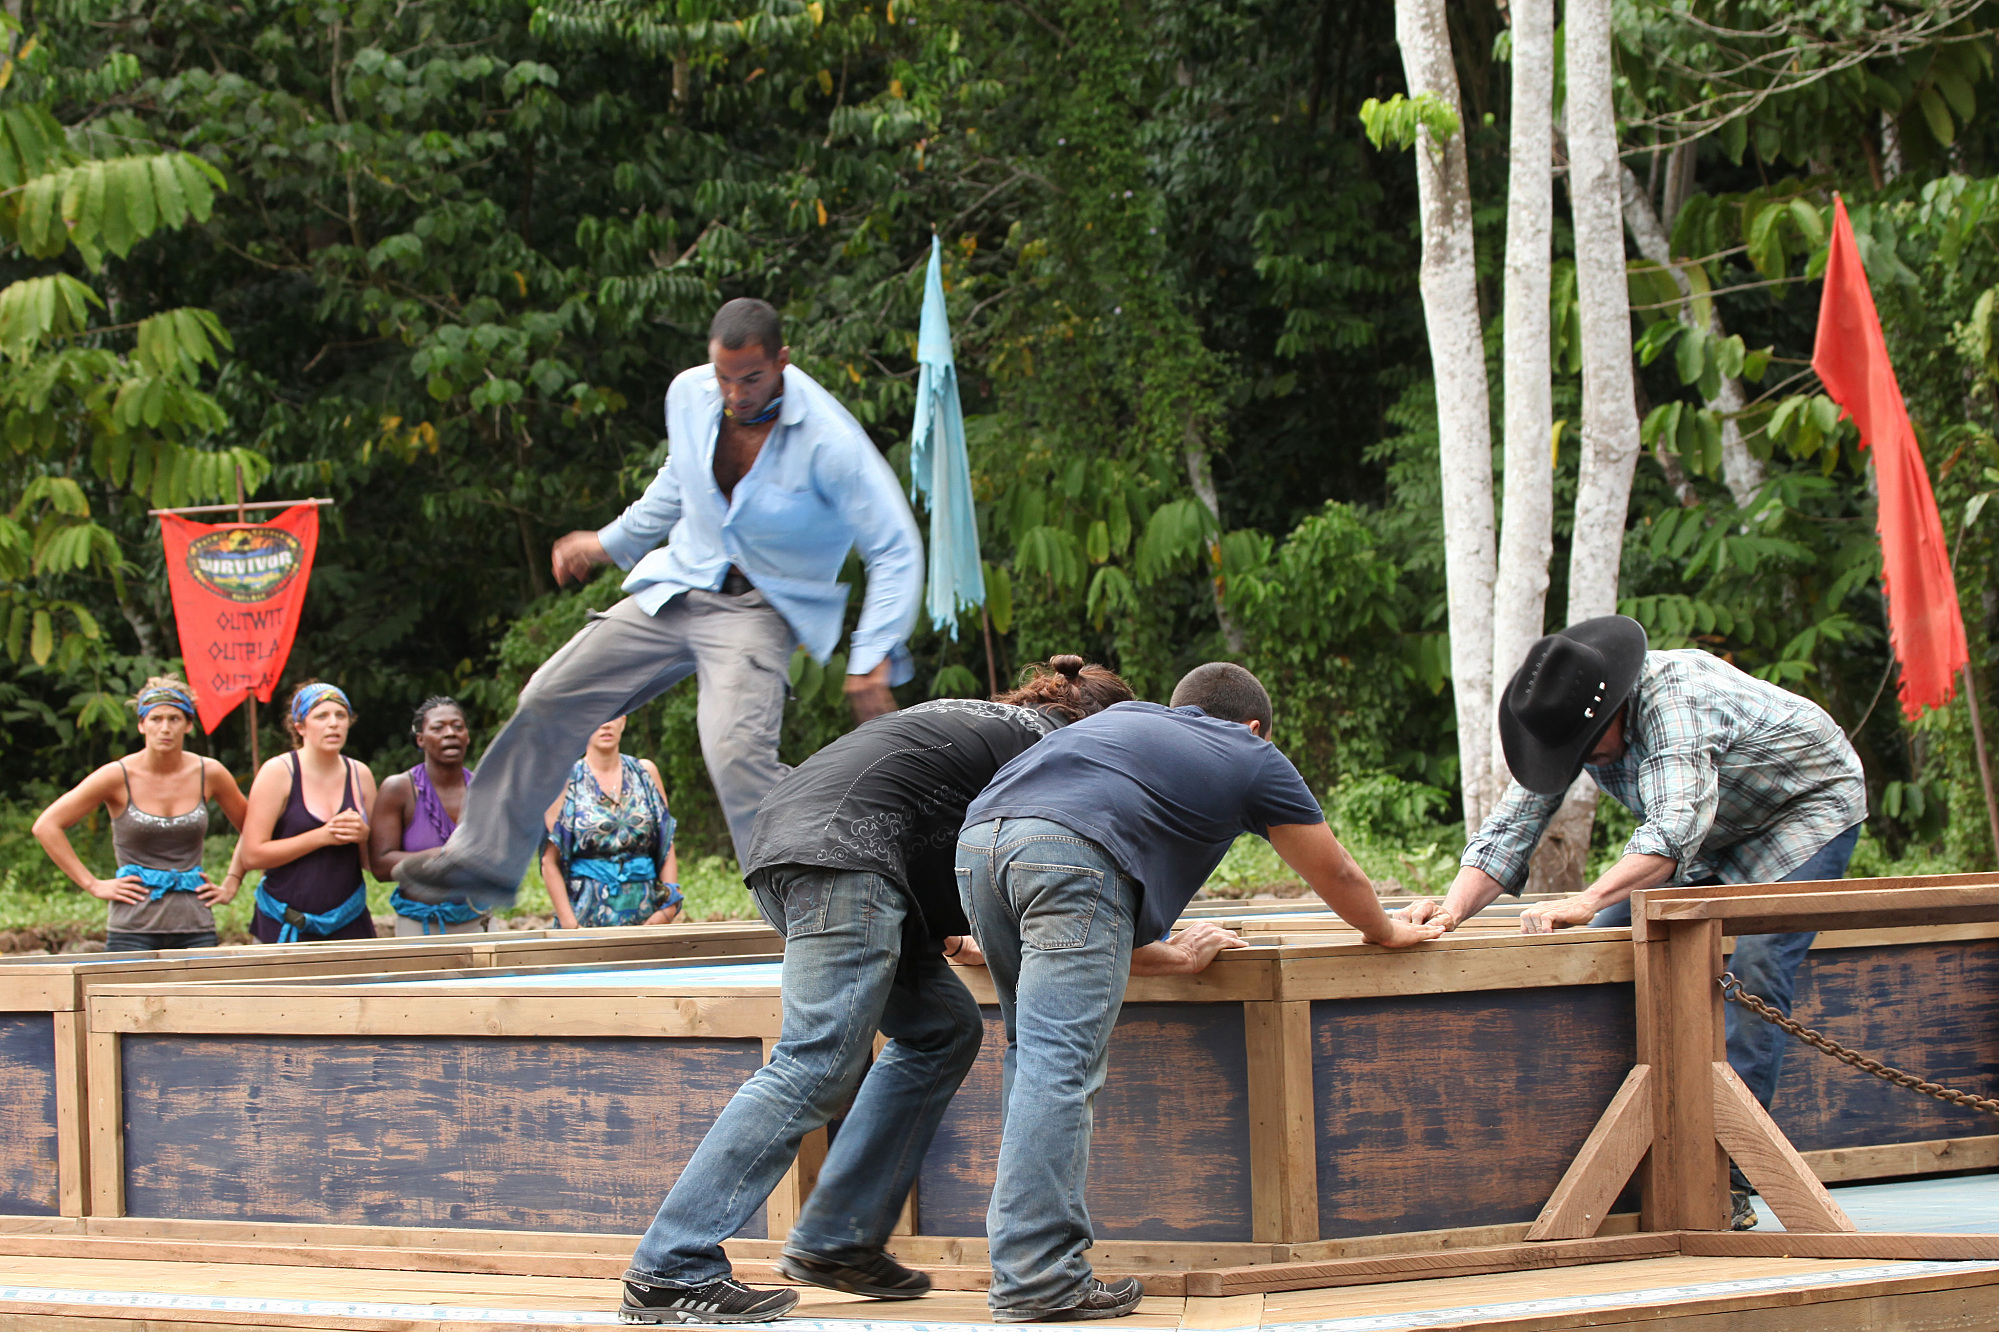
{"type": "Point", "coordinates": [418, 809]}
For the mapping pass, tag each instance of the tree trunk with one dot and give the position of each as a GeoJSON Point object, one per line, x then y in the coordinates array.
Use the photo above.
{"type": "Point", "coordinates": [1526, 529]}
{"type": "Point", "coordinates": [1741, 471]}
{"type": "Point", "coordinates": [1464, 424]}
{"type": "Point", "coordinates": [1610, 442]}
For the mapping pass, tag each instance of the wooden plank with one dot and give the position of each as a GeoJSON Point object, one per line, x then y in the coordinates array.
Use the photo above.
{"type": "Point", "coordinates": [1691, 1016]}
{"type": "Point", "coordinates": [1766, 1156]}
{"type": "Point", "coordinates": [105, 1103]}
{"type": "Point", "coordinates": [1429, 1241]}
{"type": "Point", "coordinates": [1429, 1266]}
{"type": "Point", "coordinates": [1834, 909]}
{"type": "Point", "coordinates": [548, 1134]}
{"type": "Point", "coordinates": [1284, 1166]}
{"type": "Point", "coordinates": [1603, 1167]}
{"type": "Point", "coordinates": [30, 1132]}
{"type": "Point", "coordinates": [1504, 962]}
{"type": "Point", "coordinates": [1890, 1160]}
{"type": "Point", "coordinates": [1925, 1007]}
{"type": "Point", "coordinates": [332, 1012]}
{"type": "Point", "coordinates": [72, 1116]}
{"type": "Point", "coordinates": [1842, 1244]}
{"type": "Point", "coordinates": [1225, 1314]}
{"type": "Point", "coordinates": [1464, 1109]}
{"type": "Point", "coordinates": [1171, 1155]}
{"type": "Point", "coordinates": [1888, 936]}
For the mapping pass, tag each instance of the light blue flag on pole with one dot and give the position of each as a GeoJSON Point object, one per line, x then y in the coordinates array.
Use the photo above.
{"type": "Point", "coordinates": [940, 471]}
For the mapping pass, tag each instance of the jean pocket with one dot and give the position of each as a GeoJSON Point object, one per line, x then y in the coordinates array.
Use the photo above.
{"type": "Point", "coordinates": [1055, 904]}
{"type": "Point", "coordinates": [805, 900]}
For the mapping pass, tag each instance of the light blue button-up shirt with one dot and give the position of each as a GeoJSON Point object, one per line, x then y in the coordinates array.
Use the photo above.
{"type": "Point", "coordinates": [818, 489]}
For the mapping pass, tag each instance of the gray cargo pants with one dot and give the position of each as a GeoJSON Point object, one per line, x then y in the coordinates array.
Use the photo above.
{"type": "Point", "coordinates": [737, 648]}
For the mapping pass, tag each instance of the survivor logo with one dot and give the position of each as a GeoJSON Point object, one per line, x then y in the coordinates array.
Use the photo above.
{"type": "Point", "coordinates": [245, 563]}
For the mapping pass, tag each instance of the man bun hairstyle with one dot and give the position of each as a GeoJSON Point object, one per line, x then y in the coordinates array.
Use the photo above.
{"type": "Point", "coordinates": [1069, 686]}
{"type": "Point", "coordinates": [1225, 690]}
{"type": "Point", "coordinates": [421, 717]}
{"type": "Point", "coordinates": [746, 320]}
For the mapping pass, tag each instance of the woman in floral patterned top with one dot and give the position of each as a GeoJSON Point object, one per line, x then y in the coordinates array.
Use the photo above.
{"type": "Point", "coordinates": [610, 857]}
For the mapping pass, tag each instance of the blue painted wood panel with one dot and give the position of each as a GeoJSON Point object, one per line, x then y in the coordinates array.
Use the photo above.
{"type": "Point", "coordinates": [28, 1184]}
{"type": "Point", "coordinates": [491, 1133]}
{"type": "Point", "coordinates": [1437, 1111]}
{"type": "Point", "coordinates": [1927, 1008]}
{"type": "Point", "coordinates": [1169, 1156]}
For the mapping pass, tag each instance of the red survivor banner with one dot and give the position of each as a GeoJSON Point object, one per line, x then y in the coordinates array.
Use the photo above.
{"type": "Point", "coordinates": [238, 589]}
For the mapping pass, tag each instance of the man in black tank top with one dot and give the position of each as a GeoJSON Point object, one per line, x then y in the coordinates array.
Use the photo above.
{"type": "Point", "coordinates": [852, 857]}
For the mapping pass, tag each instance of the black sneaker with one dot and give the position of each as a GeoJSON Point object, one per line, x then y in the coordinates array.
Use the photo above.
{"type": "Point", "coordinates": [1099, 1301]}
{"type": "Point", "coordinates": [1741, 1216]}
{"type": "Point", "coordinates": [723, 1301]}
{"type": "Point", "coordinates": [875, 1275]}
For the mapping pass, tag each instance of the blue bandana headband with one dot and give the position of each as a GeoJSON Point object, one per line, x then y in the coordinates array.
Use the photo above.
{"type": "Point", "coordinates": [312, 696]}
{"type": "Point", "coordinates": [165, 697]}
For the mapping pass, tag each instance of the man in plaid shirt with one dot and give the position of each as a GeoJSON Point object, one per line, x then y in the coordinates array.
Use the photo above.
{"type": "Point", "coordinates": [1733, 780]}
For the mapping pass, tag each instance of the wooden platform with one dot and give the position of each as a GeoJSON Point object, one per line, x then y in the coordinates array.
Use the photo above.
{"type": "Point", "coordinates": [1674, 1294]}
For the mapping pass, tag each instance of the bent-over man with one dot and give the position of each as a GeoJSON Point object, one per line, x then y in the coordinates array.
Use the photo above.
{"type": "Point", "coordinates": [1733, 780]}
{"type": "Point", "coordinates": [1090, 843]}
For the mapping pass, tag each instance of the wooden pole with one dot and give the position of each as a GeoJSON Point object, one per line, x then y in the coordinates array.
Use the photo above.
{"type": "Point", "coordinates": [250, 703]}
{"type": "Point", "coordinates": [1984, 764]}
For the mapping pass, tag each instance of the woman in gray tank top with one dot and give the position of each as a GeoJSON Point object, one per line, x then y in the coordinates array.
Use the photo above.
{"type": "Point", "coordinates": [158, 803]}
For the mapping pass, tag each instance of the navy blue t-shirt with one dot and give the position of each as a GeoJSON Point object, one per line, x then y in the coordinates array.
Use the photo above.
{"type": "Point", "coordinates": [1165, 790]}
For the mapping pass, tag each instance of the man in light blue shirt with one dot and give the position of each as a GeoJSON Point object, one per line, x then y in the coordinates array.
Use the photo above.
{"type": "Point", "coordinates": [768, 483]}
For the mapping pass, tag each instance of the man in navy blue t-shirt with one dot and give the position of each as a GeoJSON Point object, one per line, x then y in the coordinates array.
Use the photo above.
{"type": "Point", "coordinates": [1083, 846]}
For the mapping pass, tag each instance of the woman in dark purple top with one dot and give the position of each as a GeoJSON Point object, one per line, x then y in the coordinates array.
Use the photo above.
{"type": "Point", "coordinates": [419, 809]}
{"type": "Point", "coordinates": [307, 823]}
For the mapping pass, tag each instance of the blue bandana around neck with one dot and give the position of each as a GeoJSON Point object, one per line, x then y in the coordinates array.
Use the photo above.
{"type": "Point", "coordinates": [776, 405]}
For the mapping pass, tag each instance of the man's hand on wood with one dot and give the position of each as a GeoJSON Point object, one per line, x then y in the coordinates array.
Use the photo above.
{"type": "Point", "coordinates": [1186, 953]}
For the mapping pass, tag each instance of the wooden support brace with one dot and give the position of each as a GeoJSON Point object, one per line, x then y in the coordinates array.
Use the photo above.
{"type": "Point", "coordinates": [1593, 1180]}
{"type": "Point", "coordinates": [1768, 1158]}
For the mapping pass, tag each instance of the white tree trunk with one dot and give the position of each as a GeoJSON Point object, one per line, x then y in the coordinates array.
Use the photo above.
{"type": "Point", "coordinates": [1741, 471]}
{"type": "Point", "coordinates": [1464, 425]}
{"type": "Point", "coordinates": [1526, 529]}
{"type": "Point", "coordinates": [1610, 437]}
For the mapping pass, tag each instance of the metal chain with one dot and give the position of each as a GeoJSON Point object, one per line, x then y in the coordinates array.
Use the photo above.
{"type": "Point", "coordinates": [1736, 994]}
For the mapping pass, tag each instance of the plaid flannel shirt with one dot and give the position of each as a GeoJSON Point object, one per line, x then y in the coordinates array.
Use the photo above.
{"type": "Point", "coordinates": [1734, 778]}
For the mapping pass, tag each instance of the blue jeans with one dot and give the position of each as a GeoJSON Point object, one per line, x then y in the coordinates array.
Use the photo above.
{"type": "Point", "coordinates": [1767, 965]}
{"type": "Point", "coordinates": [1055, 917]}
{"type": "Point", "coordinates": [844, 978]}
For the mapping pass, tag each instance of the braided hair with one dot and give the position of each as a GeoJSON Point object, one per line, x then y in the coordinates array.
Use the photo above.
{"type": "Point", "coordinates": [421, 717]}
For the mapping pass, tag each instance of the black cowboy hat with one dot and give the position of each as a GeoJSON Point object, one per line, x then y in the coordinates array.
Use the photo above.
{"type": "Point", "coordinates": [1563, 697]}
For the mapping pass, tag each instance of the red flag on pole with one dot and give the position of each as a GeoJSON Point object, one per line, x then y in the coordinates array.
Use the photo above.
{"type": "Point", "coordinates": [1851, 357]}
{"type": "Point", "coordinates": [238, 589]}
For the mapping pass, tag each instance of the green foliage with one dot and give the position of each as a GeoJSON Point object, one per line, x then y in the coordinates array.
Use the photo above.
{"type": "Point", "coordinates": [1396, 122]}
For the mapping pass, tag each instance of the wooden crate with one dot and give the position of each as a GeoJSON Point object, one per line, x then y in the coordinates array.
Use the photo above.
{"type": "Point", "coordinates": [1314, 1098]}
{"type": "Point", "coordinates": [43, 1142]}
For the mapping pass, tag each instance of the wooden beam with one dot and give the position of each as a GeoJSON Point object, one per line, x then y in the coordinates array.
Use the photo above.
{"type": "Point", "coordinates": [1690, 1009]}
{"type": "Point", "coordinates": [1889, 1160]}
{"type": "Point", "coordinates": [1602, 1168]}
{"type": "Point", "coordinates": [1805, 1244]}
{"type": "Point", "coordinates": [1429, 1266]}
{"type": "Point", "coordinates": [72, 1117]}
{"type": "Point", "coordinates": [1283, 1155]}
{"type": "Point", "coordinates": [1769, 1160]}
{"type": "Point", "coordinates": [105, 1107]}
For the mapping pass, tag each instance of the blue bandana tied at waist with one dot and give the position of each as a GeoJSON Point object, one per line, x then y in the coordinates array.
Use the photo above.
{"type": "Point", "coordinates": [294, 922]}
{"type": "Point", "coordinates": [427, 914]}
{"type": "Point", "coordinates": [162, 881]}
